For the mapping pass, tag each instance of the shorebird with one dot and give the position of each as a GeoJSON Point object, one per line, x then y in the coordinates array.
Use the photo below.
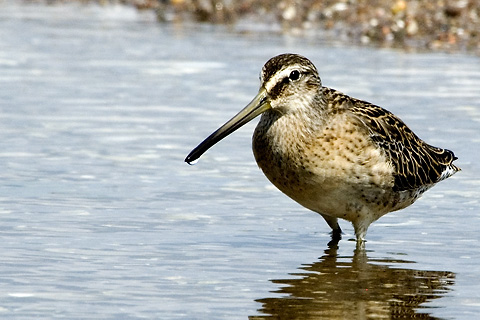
{"type": "Point", "coordinates": [336, 155]}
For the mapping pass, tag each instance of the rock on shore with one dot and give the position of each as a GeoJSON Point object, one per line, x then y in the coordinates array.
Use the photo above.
{"type": "Point", "coordinates": [445, 25]}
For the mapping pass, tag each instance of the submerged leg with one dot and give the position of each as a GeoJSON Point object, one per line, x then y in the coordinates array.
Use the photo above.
{"type": "Point", "coordinates": [336, 237]}
{"type": "Point", "coordinates": [336, 231]}
{"type": "Point", "coordinates": [360, 230]}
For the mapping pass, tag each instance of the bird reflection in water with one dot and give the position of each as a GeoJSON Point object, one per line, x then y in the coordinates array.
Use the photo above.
{"type": "Point", "coordinates": [346, 287]}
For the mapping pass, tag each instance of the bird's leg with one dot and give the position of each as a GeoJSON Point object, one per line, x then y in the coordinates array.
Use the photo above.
{"type": "Point", "coordinates": [336, 231]}
{"type": "Point", "coordinates": [336, 237]}
{"type": "Point", "coordinates": [360, 246]}
{"type": "Point", "coordinates": [360, 230]}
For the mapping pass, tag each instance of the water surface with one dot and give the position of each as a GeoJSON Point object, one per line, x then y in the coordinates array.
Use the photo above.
{"type": "Point", "coordinates": [101, 218]}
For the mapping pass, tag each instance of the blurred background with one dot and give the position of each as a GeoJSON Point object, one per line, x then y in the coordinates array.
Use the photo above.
{"type": "Point", "coordinates": [100, 102]}
{"type": "Point", "coordinates": [434, 25]}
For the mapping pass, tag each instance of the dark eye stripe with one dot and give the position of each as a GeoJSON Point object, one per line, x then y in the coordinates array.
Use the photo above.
{"type": "Point", "coordinates": [280, 85]}
{"type": "Point", "coordinates": [278, 88]}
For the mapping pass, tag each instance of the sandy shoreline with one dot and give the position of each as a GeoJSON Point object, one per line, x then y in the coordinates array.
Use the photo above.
{"type": "Point", "coordinates": [433, 25]}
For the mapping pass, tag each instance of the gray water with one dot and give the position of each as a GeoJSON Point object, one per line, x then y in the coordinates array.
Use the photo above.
{"type": "Point", "coordinates": [102, 219]}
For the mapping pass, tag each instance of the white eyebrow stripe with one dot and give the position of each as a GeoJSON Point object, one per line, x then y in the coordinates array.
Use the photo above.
{"type": "Point", "coordinates": [279, 76]}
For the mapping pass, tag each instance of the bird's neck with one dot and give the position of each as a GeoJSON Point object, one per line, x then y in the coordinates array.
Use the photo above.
{"type": "Point", "coordinates": [285, 132]}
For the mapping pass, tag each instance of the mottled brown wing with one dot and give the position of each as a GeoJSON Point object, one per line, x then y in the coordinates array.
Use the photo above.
{"type": "Point", "coordinates": [416, 163]}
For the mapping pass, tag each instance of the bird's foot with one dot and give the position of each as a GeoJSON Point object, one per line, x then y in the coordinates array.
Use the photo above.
{"type": "Point", "coordinates": [336, 237]}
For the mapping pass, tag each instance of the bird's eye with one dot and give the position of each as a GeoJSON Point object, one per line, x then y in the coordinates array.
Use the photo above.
{"type": "Point", "coordinates": [294, 75]}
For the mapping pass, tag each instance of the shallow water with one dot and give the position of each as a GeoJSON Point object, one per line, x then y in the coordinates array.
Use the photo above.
{"type": "Point", "coordinates": [101, 218]}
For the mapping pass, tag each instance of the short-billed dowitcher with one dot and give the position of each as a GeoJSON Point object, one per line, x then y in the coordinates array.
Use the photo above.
{"type": "Point", "coordinates": [336, 155]}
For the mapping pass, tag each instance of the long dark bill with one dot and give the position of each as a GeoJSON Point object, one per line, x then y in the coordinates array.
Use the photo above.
{"type": "Point", "coordinates": [257, 106]}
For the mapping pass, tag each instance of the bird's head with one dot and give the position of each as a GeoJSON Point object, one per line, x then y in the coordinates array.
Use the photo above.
{"type": "Point", "coordinates": [288, 82]}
